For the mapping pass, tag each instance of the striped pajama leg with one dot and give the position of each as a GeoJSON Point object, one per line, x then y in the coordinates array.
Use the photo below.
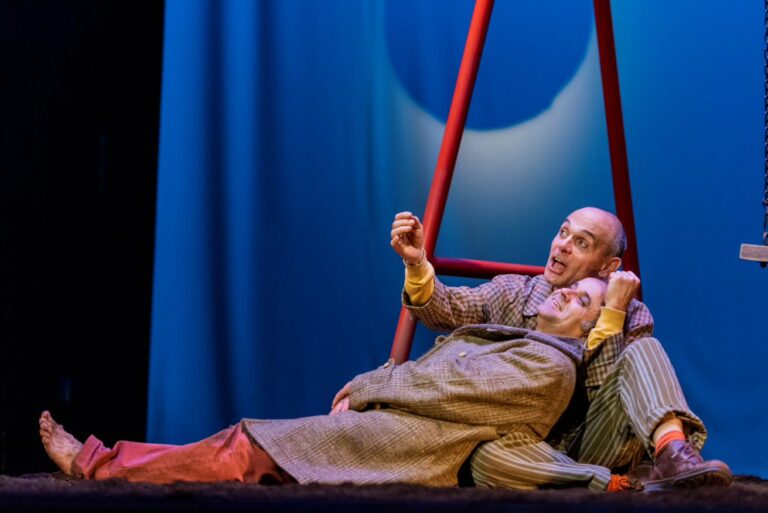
{"type": "Point", "coordinates": [638, 393]}
{"type": "Point", "coordinates": [519, 461]}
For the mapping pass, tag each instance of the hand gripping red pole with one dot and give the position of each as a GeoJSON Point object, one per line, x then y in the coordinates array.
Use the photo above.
{"type": "Point", "coordinates": [446, 161]}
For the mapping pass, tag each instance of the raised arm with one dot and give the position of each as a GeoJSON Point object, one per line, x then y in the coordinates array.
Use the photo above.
{"type": "Point", "coordinates": [408, 238]}
{"type": "Point", "coordinates": [622, 288]}
{"type": "Point", "coordinates": [441, 307]}
{"type": "Point", "coordinates": [603, 353]}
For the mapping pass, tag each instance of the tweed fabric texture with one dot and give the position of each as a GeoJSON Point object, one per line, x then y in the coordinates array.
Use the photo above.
{"type": "Point", "coordinates": [636, 395]}
{"type": "Point", "coordinates": [418, 422]}
{"type": "Point", "coordinates": [512, 300]}
{"type": "Point", "coordinates": [597, 427]}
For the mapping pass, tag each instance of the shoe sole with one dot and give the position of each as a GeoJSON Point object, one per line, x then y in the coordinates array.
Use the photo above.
{"type": "Point", "coordinates": [716, 475]}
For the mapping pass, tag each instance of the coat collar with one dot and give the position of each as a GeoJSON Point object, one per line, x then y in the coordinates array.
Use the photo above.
{"type": "Point", "coordinates": [538, 290]}
{"type": "Point", "coordinates": [571, 347]}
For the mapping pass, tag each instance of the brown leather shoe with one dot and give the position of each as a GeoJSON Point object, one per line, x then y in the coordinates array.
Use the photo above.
{"type": "Point", "coordinates": [680, 466]}
{"type": "Point", "coordinates": [641, 473]}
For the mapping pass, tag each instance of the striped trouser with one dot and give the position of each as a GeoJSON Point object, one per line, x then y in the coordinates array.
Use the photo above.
{"type": "Point", "coordinates": [636, 395]}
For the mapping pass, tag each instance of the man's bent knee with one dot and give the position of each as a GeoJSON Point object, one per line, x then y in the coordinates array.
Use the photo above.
{"type": "Point", "coordinates": [643, 346]}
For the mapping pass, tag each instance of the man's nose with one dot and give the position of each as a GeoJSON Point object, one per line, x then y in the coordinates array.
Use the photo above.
{"type": "Point", "coordinates": [564, 244]}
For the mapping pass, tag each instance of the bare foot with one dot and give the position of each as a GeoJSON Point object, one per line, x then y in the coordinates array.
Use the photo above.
{"type": "Point", "coordinates": [60, 445]}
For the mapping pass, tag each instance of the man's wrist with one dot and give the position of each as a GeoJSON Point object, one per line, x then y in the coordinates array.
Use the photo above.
{"type": "Point", "coordinates": [418, 262]}
{"type": "Point", "coordinates": [619, 306]}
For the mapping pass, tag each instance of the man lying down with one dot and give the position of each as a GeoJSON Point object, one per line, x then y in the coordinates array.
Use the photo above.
{"type": "Point", "coordinates": [417, 422]}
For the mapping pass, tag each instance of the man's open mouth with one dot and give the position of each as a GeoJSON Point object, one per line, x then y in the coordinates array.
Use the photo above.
{"type": "Point", "coordinates": [557, 265]}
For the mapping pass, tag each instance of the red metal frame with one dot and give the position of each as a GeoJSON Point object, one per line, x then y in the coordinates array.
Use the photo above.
{"type": "Point", "coordinates": [614, 119]}
{"type": "Point", "coordinates": [446, 160]}
{"type": "Point", "coordinates": [449, 149]}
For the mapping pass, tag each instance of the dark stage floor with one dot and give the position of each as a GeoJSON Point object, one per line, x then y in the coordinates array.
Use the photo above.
{"type": "Point", "coordinates": [49, 492]}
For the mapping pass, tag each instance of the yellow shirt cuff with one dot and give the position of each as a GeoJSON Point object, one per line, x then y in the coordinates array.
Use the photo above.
{"type": "Point", "coordinates": [609, 323]}
{"type": "Point", "coordinates": [419, 282]}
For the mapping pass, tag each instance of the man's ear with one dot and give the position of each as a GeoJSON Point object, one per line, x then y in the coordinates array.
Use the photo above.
{"type": "Point", "coordinates": [586, 327]}
{"type": "Point", "coordinates": [609, 267]}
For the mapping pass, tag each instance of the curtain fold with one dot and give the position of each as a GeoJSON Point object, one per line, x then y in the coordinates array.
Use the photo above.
{"type": "Point", "coordinates": [293, 130]}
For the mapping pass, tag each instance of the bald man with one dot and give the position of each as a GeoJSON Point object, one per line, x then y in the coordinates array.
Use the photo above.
{"type": "Point", "coordinates": [628, 404]}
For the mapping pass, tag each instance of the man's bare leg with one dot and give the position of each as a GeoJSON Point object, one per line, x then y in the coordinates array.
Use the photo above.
{"type": "Point", "coordinates": [61, 446]}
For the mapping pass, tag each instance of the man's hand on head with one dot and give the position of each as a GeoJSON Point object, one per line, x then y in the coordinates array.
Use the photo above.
{"type": "Point", "coordinates": [622, 287]}
{"type": "Point", "coordinates": [408, 238]}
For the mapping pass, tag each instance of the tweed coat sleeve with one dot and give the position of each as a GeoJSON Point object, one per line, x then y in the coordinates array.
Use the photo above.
{"type": "Point", "coordinates": [529, 383]}
{"type": "Point", "coordinates": [452, 307]}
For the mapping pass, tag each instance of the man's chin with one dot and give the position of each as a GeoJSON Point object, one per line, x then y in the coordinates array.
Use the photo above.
{"type": "Point", "coordinates": [556, 280]}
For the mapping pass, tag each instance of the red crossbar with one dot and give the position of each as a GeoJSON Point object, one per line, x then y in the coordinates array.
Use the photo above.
{"type": "Point", "coordinates": [481, 268]}
{"type": "Point", "coordinates": [446, 162]}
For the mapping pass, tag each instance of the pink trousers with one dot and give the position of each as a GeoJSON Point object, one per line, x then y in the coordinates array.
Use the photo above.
{"type": "Point", "coordinates": [229, 455]}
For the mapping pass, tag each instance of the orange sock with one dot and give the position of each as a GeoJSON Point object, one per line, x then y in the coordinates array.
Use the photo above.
{"type": "Point", "coordinates": [664, 440]}
{"type": "Point", "coordinates": [619, 483]}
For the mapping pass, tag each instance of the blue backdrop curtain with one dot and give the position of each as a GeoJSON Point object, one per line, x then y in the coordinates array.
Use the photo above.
{"type": "Point", "coordinates": [264, 290]}
{"type": "Point", "coordinates": [293, 130]}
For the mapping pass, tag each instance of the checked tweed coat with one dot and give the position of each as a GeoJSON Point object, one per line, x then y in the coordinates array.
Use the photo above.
{"type": "Point", "coordinates": [598, 430]}
{"type": "Point", "coordinates": [419, 421]}
{"type": "Point", "coordinates": [512, 300]}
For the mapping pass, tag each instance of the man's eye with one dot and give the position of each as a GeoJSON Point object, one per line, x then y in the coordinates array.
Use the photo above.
{"type": "Point", "coordinates": [584, 302]}
{"type": "Point", "coordinates": [563, 232]}
{"type": "Point", "coordinates": [583, 244]}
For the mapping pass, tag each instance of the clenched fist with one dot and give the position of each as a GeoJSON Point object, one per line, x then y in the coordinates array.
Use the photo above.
{"type": "Point", "coordinates": [622, 287]}
{"type": "Point", "coordinates": [408, 238]}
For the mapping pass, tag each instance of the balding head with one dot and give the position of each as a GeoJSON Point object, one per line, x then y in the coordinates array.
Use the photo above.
{"type": "Point", "coordinates": [616, 243]}
{"type": "Point", "coordinates": [590, 242]}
